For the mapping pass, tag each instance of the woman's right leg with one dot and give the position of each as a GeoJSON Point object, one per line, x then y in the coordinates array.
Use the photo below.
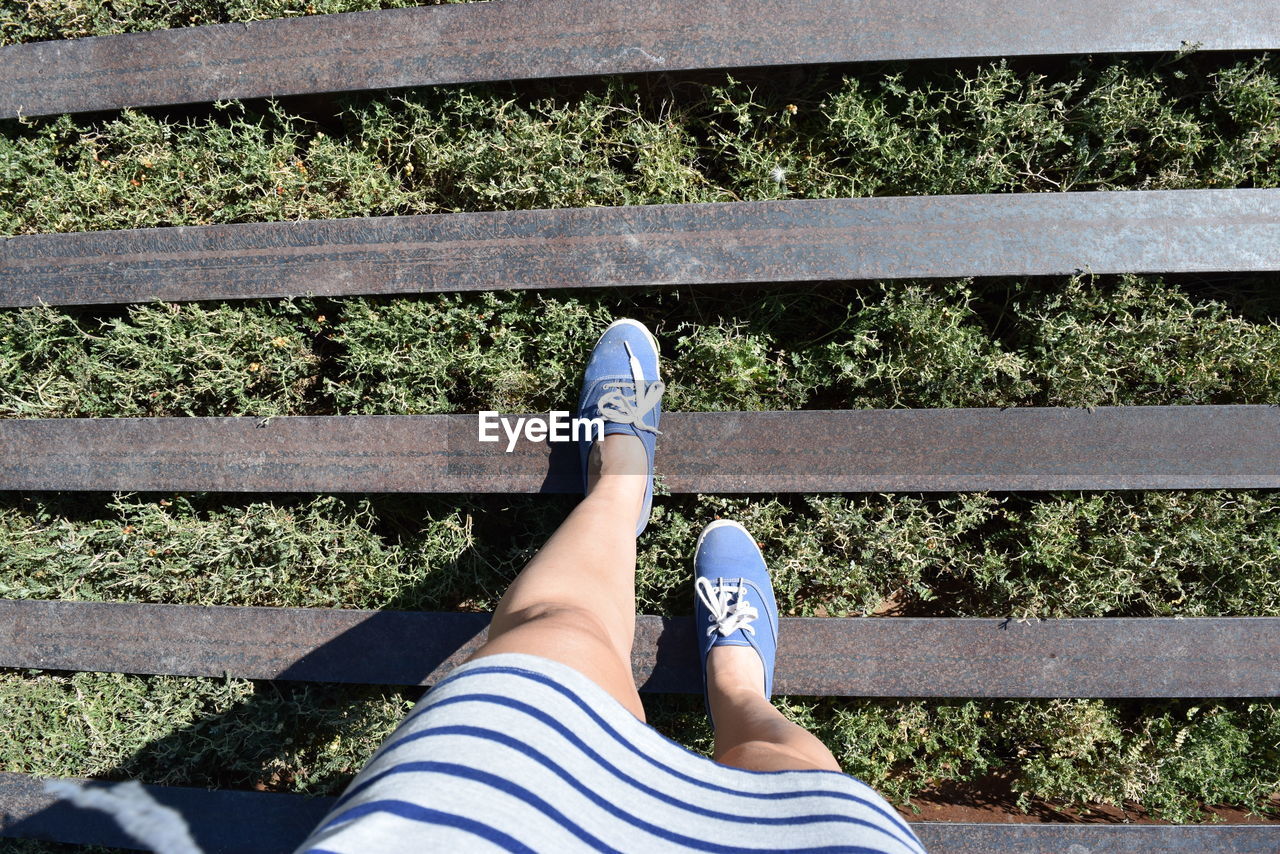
{"type": "Point", "coordinates": [737, 617]}
{"type": "Point", "coordinates": [750, 732]}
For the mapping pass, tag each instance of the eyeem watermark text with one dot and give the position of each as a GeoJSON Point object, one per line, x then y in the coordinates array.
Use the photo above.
{"type": "Point", "coordinates": [558, 426]}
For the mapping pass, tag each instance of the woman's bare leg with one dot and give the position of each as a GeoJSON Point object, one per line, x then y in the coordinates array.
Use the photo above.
{"type": "Point", "coordinates": [575, 602]}
{"type": "Point", "coordinates": [750, 732]}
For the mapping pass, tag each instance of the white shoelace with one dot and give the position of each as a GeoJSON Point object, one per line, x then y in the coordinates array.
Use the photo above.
{"type": "Point", "coordinates": [618, 407]}
{"type": "Point", "coordinates": [728, 605]}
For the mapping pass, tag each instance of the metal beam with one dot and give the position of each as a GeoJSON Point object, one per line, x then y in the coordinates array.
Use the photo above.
{"type": "Point", "coordinates": [973, 838]}
{"type": "Point", "coordinates": [871, 657]}
{"type": "Point", "coordinates": [274, 823]}
{"type": "Point", "coordinates": [895, 450]}
{"type": "Point", "coordinates": [783, 241]}
{"type": "Point", "coordinates": [569, 38]}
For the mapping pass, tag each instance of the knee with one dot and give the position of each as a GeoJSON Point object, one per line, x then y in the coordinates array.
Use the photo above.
{"type": "Point", "coordinates": [570, 619]}
{"type": "Point", "coordinates": [573, 636]}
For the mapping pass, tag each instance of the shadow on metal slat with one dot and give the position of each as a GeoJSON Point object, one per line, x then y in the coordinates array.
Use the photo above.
{"type": "Point", "coordinates": [570, 38]}
{"type": "Point", "coordinates": [221, 822]}
{"type": "Point", "coordinates": [271, 823]}
{"type": "Point", "coordinates": [902, 450]}
{"type": "Point", "coordinates": [743, 242]}
{"type": "Point", "coordinates": [881, 657]}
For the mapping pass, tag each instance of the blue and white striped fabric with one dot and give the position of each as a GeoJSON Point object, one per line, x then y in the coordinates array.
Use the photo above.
{"type": "Point", "coordinates": [519, 753]}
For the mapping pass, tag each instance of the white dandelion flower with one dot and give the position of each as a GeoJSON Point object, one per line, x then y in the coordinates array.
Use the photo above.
{"type": "Point", "coordinates": [779, 175]}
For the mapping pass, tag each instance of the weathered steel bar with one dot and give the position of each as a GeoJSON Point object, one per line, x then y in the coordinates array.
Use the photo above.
{"type": "Point", "coordinates": [903, 450]}
{"type": "Point", "coordinates": [274, 823]}
{"type": "Point", "coordinates": [782, 241]}
{"type": "Point", "coordinates": [887, 657]}
{"type": "Point", "coordinates": [569, 38]}
{"type": "Point", "coordinates": [974, 838]}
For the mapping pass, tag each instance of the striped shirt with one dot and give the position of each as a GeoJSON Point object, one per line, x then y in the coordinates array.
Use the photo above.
{"type": "Point", "coordinates": [520, 753]}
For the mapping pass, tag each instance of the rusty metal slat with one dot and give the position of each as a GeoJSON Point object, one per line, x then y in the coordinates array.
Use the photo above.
{"type": "Point", "coordinates": [975, 838]}
{"type": "Point", "coordinates": [274, 823]}
{"type": "Point", "coordinates": [293, 644]}
{"type": "Point", "coordinates": [568, 38]}
{"type": "Point", "coordinates": [1151, 447]}
{"type": "Point", "coordinates": [871, 657]}
{"type": "Point", "coordinates": [780, 241]}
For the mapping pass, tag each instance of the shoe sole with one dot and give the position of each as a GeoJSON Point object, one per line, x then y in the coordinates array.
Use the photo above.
{"type": "Point", "coordinates": [726, 523]}
{"type": "Point", "coordinates": [626, 321]}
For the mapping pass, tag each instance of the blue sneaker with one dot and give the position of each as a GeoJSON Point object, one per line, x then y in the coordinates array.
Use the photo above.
{"type": "Point", "coordinates": [734, 604]}
{"type": "Point", "coordinates": [621, 386]}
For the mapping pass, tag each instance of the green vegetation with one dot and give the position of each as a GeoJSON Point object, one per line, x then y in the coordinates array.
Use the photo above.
{"type": "Point", "coordinates": [1067, 342]}
{"type": "Point", "coordinates": [1167, 122]}
{"type": "Point", "coordinates": [1136, 554]}
{"type": "Point", "coordinates": [184, 731]}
